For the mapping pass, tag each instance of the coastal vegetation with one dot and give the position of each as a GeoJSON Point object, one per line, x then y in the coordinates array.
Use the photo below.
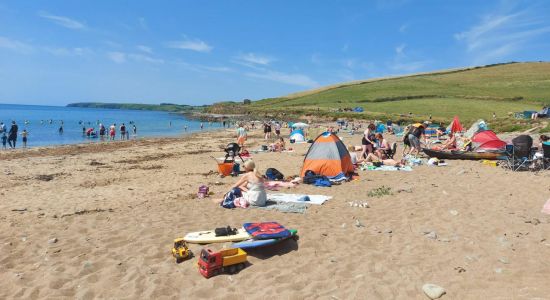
{"type": "Point", "coordinates": [471, 93]}
{"type": "Point", "coordinates": [168, 107]}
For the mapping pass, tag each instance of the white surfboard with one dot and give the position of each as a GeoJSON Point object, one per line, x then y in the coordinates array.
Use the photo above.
{"type": "Point", "coordinates": [209, 237]}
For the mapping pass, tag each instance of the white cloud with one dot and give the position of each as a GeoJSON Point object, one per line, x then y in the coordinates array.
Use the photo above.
{"type": "Point", "coordinates": [256, 59]}
{"type": "Point", "coordinates": [62, 51]}
{"type": "Point", "coordinates": [497, 36]}
{"type": "Point", "coordinates": [399, 49]}
{"type": "Point", "coordinates": [190, 44]}
{"type": "Point", "coordinates": [144, 49]}
{"type": "Point", "coordinates": [62, 21]}
{"type": "Point", "coordinates": [122, 57]}
{"type": "Point", "coordinates": [291, 79]}
{"type": "Point", "coordinates": [145, 58]}
{"type": "Point", "coordinates": [403, 63]}
{"type": "Point", "coordinates": [15, 45]}
{"type": "Point", "coordinates": [117, 57]}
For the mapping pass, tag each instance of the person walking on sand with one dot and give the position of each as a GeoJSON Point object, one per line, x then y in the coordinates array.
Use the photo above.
{"type": "Point", "coordinates": [267, 130]}
{"type": "Point", "coordinates": [278, 129]}
{"type": "Point", "coordinates": [12, 135]}
{"type": "Point", "coordinates": [241, 135]}
{"type": "Point", "coordinates": [4, 140]}
{"type": "Point", "coordinates": [24, 135]}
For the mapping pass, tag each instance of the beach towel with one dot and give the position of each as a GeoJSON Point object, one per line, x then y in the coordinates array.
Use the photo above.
{"type": "Point", "coordinates": [266, 230]}
{"type": "Point", "coordinates": [387, 168]}
{"type": "Point", "coordinates": [285, 207]}
{"type": "Point", "coordinates": [298, 198]}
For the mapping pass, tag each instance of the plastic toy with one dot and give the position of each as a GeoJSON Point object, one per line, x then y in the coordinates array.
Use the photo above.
{"type": "Point", "coordinates": [180, 250]}
{"type": "Point", "coordinates": [228, 260]}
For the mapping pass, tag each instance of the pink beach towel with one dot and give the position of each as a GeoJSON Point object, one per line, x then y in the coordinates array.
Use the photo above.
{"type": "Point", "coordinates": [546, 207]}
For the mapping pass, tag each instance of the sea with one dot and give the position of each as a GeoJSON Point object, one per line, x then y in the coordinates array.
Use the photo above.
{"type": "Point", "coordinates": [43, 122]}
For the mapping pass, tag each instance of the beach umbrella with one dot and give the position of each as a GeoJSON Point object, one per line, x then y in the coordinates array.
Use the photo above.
{"type": "Point", "coordinates": [456, 126]}
{"type": "Point", "coordinates": [299, 125]}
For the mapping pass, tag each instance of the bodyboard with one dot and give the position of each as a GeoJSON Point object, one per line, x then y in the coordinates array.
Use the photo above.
{"type": "Point", "coordinates": [248, 244]}
{"type": "Point", "coordinates": [209, 237]}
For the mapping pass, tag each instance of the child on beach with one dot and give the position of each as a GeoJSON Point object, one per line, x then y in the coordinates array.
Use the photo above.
{"type": "Point", "coordinates": [4, 140]}
{"type": "Point", "coordinates": [24, 137]}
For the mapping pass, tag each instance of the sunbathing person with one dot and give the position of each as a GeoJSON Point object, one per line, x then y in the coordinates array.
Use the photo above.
{"type": "Point", "coordinates": [449, 144]}
{"type": "Point", "coordinates": [371, 158]}
{"type": "Point", "coordinates": [383, 146]}
{"type": "Point", "coordinates": [251, 185]}
{"type": "Point", "coordinates": [278, 146]}
{"type": "Point", "coordinates": [355, 160]}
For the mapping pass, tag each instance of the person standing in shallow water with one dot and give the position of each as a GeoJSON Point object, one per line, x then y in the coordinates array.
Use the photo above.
{"type": "Point", "coordinates": [12, 136]}
{"type": "Point", "coordinates": [4, 140]}
{"type": "Point", "coordinates": [24, 135]}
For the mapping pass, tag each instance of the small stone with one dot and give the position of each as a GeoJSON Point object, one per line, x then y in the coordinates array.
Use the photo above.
{"type": "Point", "coordinates": [453, 212]}
{"type": "Point", "coordinates": [343, 225]}
{"type": "Point", "coordinates": [52, 241]}
{"type": "Point", "coordinates": [535, 221]}
{"type": "Point", "coordinates": [388, 231]}
{"type": "Point", "coordinates": [498, 270]}
{"type": "Point", "coordinates": [432, 235]}
{"type": "Point", "coordinates": [358, 223]}
{"type": "Point", "coordinates": [332, 260]}
{"type": "Point", "coordinates": [504, 260]}
{"type": "Point", "coordinates": [433, 291]}
{"type": "Point", "coordinates": [24, 239]}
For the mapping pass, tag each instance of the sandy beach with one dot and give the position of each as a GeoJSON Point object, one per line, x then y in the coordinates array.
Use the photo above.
{"type": "Point", "coordinates": [99, 220]}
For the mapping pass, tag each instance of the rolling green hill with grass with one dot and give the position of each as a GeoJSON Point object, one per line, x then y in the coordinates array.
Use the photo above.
{"type": "Point", "coordinates": [168, 107]}
{"type": "Point", "coordinates": [471, 93]}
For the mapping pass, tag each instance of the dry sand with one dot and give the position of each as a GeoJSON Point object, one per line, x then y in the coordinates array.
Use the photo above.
{"type": "Point", "coordinates": [116, 208]}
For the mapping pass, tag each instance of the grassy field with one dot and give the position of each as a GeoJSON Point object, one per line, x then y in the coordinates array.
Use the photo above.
{"type": "Point", "coordinates": [470, 93]}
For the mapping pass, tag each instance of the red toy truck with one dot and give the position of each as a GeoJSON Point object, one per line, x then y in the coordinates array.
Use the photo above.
{"type": "Point", "coordinates": [213, 263]}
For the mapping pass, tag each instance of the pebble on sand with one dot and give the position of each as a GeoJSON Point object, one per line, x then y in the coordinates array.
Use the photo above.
{"type": "Point", "coordinates": [433, 291]}
{"type": "Point", "coordinates": [52, 241]}
{"type": "Point", "coordinates": [431, 235]}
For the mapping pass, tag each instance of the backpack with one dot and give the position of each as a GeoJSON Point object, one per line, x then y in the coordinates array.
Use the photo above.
{"type": "Point", "coordinates": [274, 174]}
{"type": "Point", "coordinates": [225, 231]}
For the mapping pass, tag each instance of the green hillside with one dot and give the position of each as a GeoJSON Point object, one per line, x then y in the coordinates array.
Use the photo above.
{"type": "Point", "coordinates": [471, 93]}
{"type": "Point", "coordinates": [168, 107]}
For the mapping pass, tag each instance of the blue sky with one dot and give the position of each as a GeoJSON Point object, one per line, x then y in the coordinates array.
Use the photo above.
{"type": "Point", "coordinates": [199, 52]}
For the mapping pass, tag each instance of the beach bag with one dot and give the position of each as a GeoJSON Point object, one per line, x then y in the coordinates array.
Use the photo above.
{"type": "Point", "coordinates": [274, 174]}
{"type": "Point", "coordinates": [230, 197]}
{"type": "Point", "coordinates": [225, 231]}
{"type": "Point", "coordinates": [236, 170]}
{"type": "Point", "coordinates": [203, 191]}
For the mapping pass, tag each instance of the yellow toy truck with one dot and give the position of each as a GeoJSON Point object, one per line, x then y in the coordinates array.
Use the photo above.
{"type": "Point", "coordinates": [180, 250]}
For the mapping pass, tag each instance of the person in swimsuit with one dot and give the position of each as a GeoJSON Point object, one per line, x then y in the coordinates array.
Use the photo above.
{"type": "Point", "coordinates": [112, 132]}
{"type": "Point", "coordinates": [122, 131]}
{"type": "Point", "coordinates": [24, 135]}
{"type": "Point", "coordinates": [267, 130]}
{"type": "Point", "coordinates": [383, 146]}
{"type": "Point", "coordinates": [368, 140]}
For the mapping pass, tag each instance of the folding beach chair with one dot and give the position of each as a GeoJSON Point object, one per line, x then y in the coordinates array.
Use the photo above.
{"type": "Point", "coordinates": [519, 153]}
{"type": "Point", "coordinates": [545, 156]}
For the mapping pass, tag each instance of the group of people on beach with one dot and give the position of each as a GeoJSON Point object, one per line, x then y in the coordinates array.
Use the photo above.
{"type": "Point", "coordinates": [9, 137]}
{"type": "Point", "coordinates": [111, 132]}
